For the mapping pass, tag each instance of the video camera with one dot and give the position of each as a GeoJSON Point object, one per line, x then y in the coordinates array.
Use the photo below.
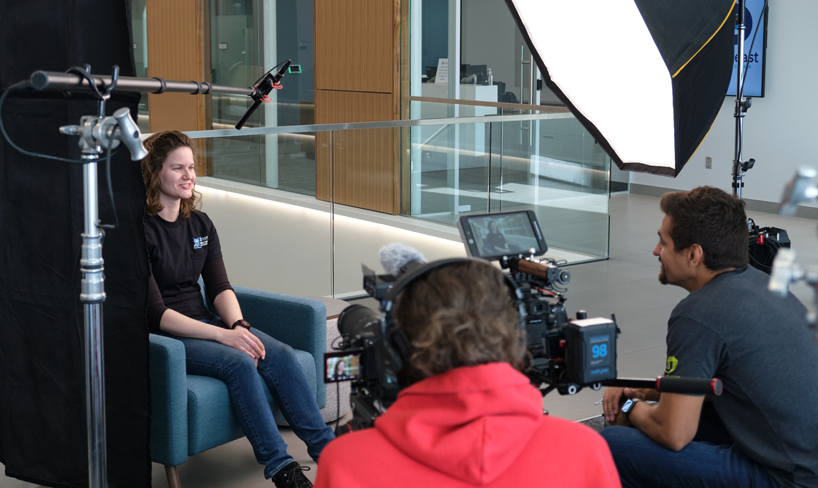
{"type": "Point", "coordinates": [563, 355]}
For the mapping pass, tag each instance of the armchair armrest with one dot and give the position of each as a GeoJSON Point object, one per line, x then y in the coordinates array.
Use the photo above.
{"type": "Point", "coordinates": [169, 429]}
{"type": "Point", "coordinates": [296, 321]}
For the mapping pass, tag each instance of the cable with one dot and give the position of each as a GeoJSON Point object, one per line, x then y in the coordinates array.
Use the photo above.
{"type": "Point", "coordinates": [772, 246]}
{"type": "Point", "coordinates": [337, 405]}
{"type": "Point", "coordinates": [83, 73]}
{"type": "Point", "coordinates": [110, 189]}
{"type": "Point", "coordinates": [18, 86]}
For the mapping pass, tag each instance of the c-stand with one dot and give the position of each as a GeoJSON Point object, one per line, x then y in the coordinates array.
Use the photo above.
{"type": "Point", "coordinates": [98, 132]}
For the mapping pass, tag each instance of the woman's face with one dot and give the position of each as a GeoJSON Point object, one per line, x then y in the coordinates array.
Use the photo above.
{"type": "Point", "coordinates": [492, 227]}
{"type": "Point", "coordinates": [340, 367]}
{"type": "Point", "coordinates": [177, 176]}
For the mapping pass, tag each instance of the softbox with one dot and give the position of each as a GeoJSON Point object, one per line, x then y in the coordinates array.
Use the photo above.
{"type": "Point", "coordinates": [645, 78]}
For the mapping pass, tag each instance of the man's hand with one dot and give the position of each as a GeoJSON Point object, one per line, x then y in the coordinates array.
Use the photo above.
{"type": "Point", "coordinates": [243, 340]}
{"type": "Point", "coordinates": [613, 399]}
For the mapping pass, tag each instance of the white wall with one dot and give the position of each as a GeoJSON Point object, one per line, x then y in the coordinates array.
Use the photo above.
{"type": "Point", "coordinates": [780, 130]}
{"type": "Point", "coordinates": [285, 248]}
{"type": "Point", "coordinates": [281, 242]}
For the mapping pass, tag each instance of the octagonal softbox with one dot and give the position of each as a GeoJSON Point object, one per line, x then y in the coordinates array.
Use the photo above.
{"type": "Point", "coordinates": [645, 78]}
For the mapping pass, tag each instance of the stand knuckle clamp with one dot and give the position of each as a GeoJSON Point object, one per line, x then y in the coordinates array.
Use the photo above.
{"type": "Point", "coordinates": [162, 86]}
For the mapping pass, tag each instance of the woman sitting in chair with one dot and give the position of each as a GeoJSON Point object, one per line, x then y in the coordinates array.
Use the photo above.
{"type": "Point", "coordinates": [183, 244]}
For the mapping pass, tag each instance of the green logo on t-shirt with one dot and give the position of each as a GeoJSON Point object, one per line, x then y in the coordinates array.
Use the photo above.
{"type": "Point", "coordinates": [672, 362]}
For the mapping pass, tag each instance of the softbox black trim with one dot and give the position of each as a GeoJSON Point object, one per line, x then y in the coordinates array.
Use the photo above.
{"type": "Point", "coordinates": [698, 93]}
{"type": "Point", "coordinates": [681, 28]}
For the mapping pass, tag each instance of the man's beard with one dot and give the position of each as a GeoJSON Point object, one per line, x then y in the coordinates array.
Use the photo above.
{"type": "Point", "coordinates": [662, 275]}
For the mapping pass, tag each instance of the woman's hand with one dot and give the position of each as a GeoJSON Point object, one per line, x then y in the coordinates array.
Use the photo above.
{"type": "Point", "coordinates": [243, 340]}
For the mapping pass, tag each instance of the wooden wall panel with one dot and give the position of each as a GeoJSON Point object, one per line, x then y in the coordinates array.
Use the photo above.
{"type": "Point", "coordinates": [365, 160]}
{"type": "Point", "coordinates": [176, 52]}
{"type": "Point", "coordinates": [357, 79]}
{"type": "Point", "coordinates": [355, 46]}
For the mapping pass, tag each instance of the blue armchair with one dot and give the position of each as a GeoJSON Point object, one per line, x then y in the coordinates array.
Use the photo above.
{"type": "Point", "coordinates": [191, 414]}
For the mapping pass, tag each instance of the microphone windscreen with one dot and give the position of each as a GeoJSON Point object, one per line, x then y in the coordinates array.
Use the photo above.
{"type": "Point", "coordinates": [394, 256]}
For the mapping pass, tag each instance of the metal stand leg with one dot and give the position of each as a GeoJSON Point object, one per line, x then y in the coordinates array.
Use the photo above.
{"type": "Point", "coordinates": [92, 296]}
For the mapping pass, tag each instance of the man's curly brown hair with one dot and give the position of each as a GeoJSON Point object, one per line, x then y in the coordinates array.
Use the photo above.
{"type": "Point", "coordinates": [159, 145]}
{"type": "Point", "coordinates": [713, 219]}
{"type": "Point", "coordinates": [459, 315]}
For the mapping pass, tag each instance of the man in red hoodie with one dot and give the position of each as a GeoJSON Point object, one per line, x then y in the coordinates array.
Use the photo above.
{"type": "Point", "coordinates": [468, 416]}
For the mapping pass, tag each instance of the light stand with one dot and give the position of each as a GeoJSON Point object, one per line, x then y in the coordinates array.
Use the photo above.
{"type": "Point", "coordinates": [95, 133]}
{"type": "Point", "coordinates": [765, 242]}
{"type": "Point", "coordinates": [740, 168]}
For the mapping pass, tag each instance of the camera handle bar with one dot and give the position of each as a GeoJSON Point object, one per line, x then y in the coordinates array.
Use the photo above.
{"type": "Point", "coordinates": [689, 386]}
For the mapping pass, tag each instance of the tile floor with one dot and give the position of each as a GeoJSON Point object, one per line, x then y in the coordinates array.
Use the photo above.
{"type": "Point", "coordinates": [625, 285]}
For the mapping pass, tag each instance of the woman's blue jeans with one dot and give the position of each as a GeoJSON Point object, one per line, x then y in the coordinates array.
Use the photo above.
{"type": "Point", "coordinates": [286, 382]}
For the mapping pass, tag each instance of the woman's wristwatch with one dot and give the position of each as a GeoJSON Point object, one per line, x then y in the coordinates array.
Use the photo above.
{"type": "Point", "coordinates": [242, 323]}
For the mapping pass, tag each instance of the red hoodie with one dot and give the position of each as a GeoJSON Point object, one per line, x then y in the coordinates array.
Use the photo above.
{"type": "Point", "coordinates": [471, 426]}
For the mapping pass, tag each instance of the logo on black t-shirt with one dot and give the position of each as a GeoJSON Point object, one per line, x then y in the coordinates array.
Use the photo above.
{"type": "Point", "coordinates": [672, 362]}
{"type": "Point", "coordinates": [199, 242]}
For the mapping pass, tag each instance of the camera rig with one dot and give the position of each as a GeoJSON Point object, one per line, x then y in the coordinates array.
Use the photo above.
{"type": "Point", "coordinates": [562, 354]}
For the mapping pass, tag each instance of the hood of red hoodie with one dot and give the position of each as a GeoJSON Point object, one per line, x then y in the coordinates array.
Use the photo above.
{"type": "Point", "coordinates": [470, 423]}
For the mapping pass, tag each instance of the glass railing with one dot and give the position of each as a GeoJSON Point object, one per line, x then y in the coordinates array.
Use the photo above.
{"type": "Point", "coordinates": [299, 208]}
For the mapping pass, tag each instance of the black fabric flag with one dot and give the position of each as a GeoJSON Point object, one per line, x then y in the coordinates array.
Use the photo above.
{"type": "Point", "coordinates": [42, 365]}
{"type": "Point", "coordinates": [645, 78]}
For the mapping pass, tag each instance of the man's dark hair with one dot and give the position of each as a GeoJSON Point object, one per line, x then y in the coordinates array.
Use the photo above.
{"type": "Point", "coordinates": [714, 220]}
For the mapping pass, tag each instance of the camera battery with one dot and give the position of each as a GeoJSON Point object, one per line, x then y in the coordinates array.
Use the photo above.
{"type": "Point", "coordinates": [590, 355]}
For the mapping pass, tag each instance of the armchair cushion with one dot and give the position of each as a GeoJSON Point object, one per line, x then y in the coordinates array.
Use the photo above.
{"type": "Point", "coordinates": [169, 427]}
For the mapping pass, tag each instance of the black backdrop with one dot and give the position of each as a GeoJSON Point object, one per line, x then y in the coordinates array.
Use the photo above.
{"type": "Point", "coordinates": [42, 375]}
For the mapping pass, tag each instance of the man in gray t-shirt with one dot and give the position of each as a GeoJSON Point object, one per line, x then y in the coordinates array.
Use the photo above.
{"type": "Point", "coordinates": [763, 431]}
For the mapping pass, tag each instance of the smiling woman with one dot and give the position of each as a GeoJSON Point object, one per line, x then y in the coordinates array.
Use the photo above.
{"type": "Point", "coordinates": [169, 164]}
{"type": "Point", "coordinates": [182, 245]}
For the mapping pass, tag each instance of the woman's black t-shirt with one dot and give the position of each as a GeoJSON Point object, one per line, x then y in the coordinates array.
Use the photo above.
{"type": "Point", "coordinates": [179, 253]}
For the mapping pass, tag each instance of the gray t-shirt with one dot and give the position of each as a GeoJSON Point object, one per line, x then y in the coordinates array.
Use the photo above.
{"type": "Point", "coordinates": [734, 329]}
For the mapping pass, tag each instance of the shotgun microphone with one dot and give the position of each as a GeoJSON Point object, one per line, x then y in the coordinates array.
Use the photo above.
{"type": "Point", "coordinates": [264, 88]}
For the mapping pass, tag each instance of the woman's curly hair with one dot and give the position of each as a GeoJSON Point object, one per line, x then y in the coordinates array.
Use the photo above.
{"type": "Point", "coordinates": [459, 315]}
{"type": "Point", "coordinates": [159, 145]}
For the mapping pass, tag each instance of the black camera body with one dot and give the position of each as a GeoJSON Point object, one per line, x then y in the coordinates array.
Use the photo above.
{"type": "Point", "coordinates": [563, 355]}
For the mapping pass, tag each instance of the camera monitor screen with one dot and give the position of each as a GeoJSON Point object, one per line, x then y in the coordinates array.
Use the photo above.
{"type": "Point", "coordinates": [341, 366]}
{"type": "Point", "coordinates": [492, 236]}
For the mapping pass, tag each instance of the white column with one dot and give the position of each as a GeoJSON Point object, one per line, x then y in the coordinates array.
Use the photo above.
{"type": "Point", "coordinates": [415, 90]}
{"type": "Point", "coordinates": [535, 148]}
{"type": "Point", "coordinates": [453, 156]}
{"type": "Point", "coordinates": [271, 108]}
